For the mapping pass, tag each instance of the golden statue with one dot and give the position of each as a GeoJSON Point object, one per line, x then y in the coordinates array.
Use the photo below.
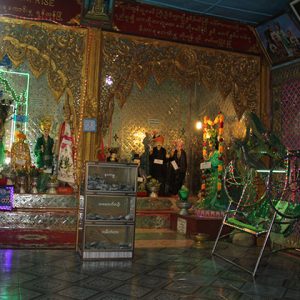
{"type": "Point", "coordinates": [20, 153]}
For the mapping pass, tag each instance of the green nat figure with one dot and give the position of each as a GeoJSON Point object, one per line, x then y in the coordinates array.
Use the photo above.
{"type": "Point", "coordinates": [44, 147]}
{"type": "Point", "coordinates": [183, 203]}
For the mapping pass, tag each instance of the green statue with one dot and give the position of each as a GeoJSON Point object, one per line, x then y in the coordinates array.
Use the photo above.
{"type": "Point", "coordinates": [44, 147]}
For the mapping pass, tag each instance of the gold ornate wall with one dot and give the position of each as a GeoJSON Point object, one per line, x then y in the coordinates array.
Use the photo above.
{"type": "Point", "coordinates": [131, 60]}
{"type": "Point", "coordinates": [67, 55]}
{"type": "Point", "coordinates": [173, 84]}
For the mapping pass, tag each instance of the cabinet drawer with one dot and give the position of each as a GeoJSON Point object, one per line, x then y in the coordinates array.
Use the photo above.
{"type": "Point", "coordinates": [111, 178]}
{"type": "Point", "coordinates": [108, 237]}
{"type": "Point", "coordinates": [109, 208]}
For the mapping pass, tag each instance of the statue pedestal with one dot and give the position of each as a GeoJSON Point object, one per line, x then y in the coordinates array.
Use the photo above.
{"type": "Point", "coordinates": [40, 221]}
{"type": "Point", "coordinates": [155, 212]}
{"type": "Point", "coordinates": [190, 225]}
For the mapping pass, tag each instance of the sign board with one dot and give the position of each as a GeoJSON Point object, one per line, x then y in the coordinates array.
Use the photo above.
{"type": "Point", "coordinates": [153, 121]}
{"type": "Point", "coordinates": [6, 197]}
{"type": "Point", "coordinates": [174, 25]}
{"type": "Point", "coordinates": [205, 165]}
{"type": "Point", "coordinates": [90, 125]}
{"type": "Point", "coordinates": [181, 225]}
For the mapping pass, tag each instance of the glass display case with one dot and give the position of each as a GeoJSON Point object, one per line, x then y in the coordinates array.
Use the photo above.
{"type": "Point", "coordinates": [107, 208]}
{"type": "Point", "coordinates": [111, 178]}
{"type": "Point", "coordinates": [107, 225]}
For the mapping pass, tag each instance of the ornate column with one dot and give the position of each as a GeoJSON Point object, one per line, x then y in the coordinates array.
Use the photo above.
{"type": "Point", "coordinates": [90, 140]}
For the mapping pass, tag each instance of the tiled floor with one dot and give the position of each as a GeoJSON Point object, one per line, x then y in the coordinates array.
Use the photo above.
{"type": "Point", "coordinates": [179, 272]}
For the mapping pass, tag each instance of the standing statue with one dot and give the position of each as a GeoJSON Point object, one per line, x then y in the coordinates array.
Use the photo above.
{"type": "Point", "coordinates": [178, 167]}
{"type": "Point", "coordinates": [144, 159]}
{"type": "Point", "coordinates": [66, 147]}
{"type": "Point", "coordinates": [20, 153]}
{"type": "Point", "coordinates": [158, 162]}
{"type": "Point", "coordinates": [44, 147]}
{"type": "Point", "coordinates": [4, 111]}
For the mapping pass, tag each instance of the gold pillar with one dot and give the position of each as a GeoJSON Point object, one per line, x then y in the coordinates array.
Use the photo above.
{"type": "Point", "coordinates": [90, 140]}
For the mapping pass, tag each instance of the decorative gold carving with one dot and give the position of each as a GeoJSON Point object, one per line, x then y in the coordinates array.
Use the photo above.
{"type": "Point", "coordinates": [128, 60]}
{"type": "Point", "coordinates": [39, 63]}
{"type": "Point", "coordinates": [59, 51]}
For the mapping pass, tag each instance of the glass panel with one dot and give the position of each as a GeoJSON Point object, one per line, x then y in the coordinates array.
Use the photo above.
{"type": "Point", "coordinates": [100, 208]}
{"type": "Point", "coordinates": [109, 237]}
{"type": "Point", "coordinates": [111, 178]}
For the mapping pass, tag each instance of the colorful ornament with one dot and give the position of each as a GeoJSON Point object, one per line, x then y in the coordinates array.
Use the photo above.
{"type": "Point", "coordinates": [209, 136]}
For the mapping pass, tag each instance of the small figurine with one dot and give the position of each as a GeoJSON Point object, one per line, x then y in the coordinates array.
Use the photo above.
{"type": "Point", "coordinates": [20, 153]}
{"type": "Point", "coordinates": [113, 155]}
{"type": "Point", "coordinates": [44, 147]}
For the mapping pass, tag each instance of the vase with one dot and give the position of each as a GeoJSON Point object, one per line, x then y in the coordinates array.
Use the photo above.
{"type": "Point", "coordinates": [34, 182]}
{"type": "Point", "coordinates": [22, 184]}
{"type": "Point", "coordinates": [153, 191]}
{"type": "Point", "coordinates": [200, 240]}
{"type": "Point", "coordinates": [52, 187]}
{"type": "Point", "coordinates": [184, 206]}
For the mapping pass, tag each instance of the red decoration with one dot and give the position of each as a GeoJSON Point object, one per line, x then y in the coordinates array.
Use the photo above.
{"type": "Point", "coordinates": [155, 22]}
{"type": "Point", "coordinates": [58, 11]}
{"type": "Point", "coordinates": [65, 190]}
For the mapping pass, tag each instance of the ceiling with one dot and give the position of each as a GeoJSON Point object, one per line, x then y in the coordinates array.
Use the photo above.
{"type": "Point", "coordinates": [252, 12]}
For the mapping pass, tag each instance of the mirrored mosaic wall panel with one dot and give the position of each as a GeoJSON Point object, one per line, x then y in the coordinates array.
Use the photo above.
{"type": "Point", "coordinates": [41, 103]}
{"type": "Point", "coordinates": [173, 112]}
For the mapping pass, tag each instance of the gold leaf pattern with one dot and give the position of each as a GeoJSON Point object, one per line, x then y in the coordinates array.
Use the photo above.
{"type": "Point", "coordinates": [130, 60]}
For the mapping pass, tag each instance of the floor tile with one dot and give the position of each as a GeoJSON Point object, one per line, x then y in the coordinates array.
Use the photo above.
{"type": "Point", "coordinates": [176, 267]}
{"type": "Point", "coordinates": [263, 290]}
{"type": "Point", "coordinates": [76, 292]}
{"type": "Point", "coordinates": [110, 296]}
{"type": "Point", "coordinates": [218, 293]}
{"type": "Point", "coordinates": [149, 281]}
{"type": "Point", "coordinates": [292, 294]}
{"type": "Point", "coordinates": [118, 275]}
{"type": "Point", "coordinates": [156, 273]}
{"type": "Point", "coordinates": [52, 297]}
{"type": "Point", "coordinates": [46, 285]}
{"type": "Point", "coordinates": [164, 273]}
{"type": "Point", "coordinates": [183, 287]}
{"type": "Point", "coordinates": [100, 283]}
{"type": "Point", "coordinates": [163, 295]}
{"type": "Point", "coordinates": [132, 290]}
{"type": "Point", "coordinates": [70, 276]}
{"type": "Point", "coordinates": [15, 292]}
{"type": "Point", "coordinates": [227, 283]}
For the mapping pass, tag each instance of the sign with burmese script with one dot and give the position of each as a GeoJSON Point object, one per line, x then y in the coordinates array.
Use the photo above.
{"type": "Point", "coordinates": [65, 12]}
{"type": "Point", "coordinates": [161, 23]}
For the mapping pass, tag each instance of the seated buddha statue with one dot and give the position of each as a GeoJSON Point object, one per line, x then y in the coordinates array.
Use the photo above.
{"type": "Point", "coordinates": [20, 153]}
